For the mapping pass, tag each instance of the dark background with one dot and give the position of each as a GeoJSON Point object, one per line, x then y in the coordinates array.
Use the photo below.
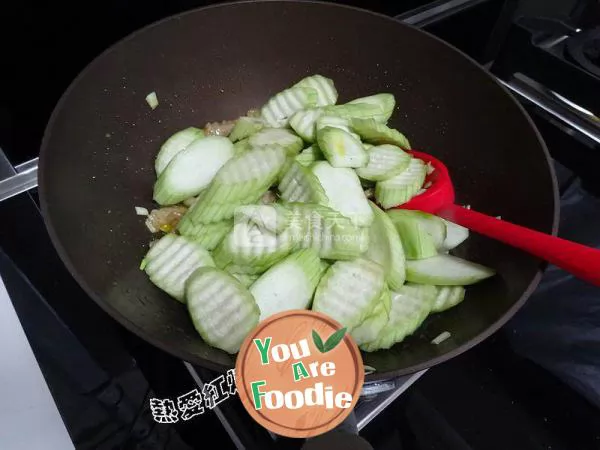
{"type": "Point", "coordinates": [45, 45]}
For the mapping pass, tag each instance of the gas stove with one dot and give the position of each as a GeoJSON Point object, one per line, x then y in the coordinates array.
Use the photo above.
{"type": "Point", "coordinates": [551, 66]}
{"type": "Point", "coordinates": [537, 58]}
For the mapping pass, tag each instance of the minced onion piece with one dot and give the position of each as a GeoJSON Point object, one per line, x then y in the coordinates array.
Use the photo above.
{"type": "Point", "coordinates": [165, 219]}
{"type": "Point", "coordinates": [430, 168]}
{"type": "Point", "coordinates": [441, 338]}
{"type": "Point", "coordinates": [427, 185]}
{"type": "Point", "coordinates": [152, 100]}
{"type": "Point", "coordinates": [150, 225]}
{"type": "Point", "coordinates": [141, 211]}
{"type": "Point", "coordinates": [253, 113]}
{"type": "Point", "coordinates": [268, 198]}
{"type": "Point", "coordinates": [369, 370]}
{"type": "Point", "coordinates": [219, 128]}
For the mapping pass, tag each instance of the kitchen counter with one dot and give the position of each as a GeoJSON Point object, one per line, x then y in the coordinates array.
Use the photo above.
{"type": "Point", "coordinates": [29, 418]}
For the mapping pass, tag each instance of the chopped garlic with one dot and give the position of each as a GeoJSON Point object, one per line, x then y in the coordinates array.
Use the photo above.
{"type": "Point", "coordinates": [150, 225]}
{"type": "Point", "coordinates": [441, 338]}
{"type": "Point", "coordinates": [430, 168]}
{"type": "Point", "coordinates": [369, 370]}
{"type": "Point", "coordinates": [141, 211]}
{"type": "Point", "coordinates": [268, 198]}
{"type": "Point", "coordinates": [219, 128]}
{"type": "Point", "coordinates": [152, 100]}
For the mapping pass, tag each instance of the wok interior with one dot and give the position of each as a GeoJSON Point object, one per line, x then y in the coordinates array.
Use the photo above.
{"type": "Point", "coordinates": [215, 64]}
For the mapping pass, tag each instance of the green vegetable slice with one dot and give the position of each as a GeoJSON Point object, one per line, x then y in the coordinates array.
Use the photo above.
{"type": "Point", "coordinates": [455, 235]}
{"type": "Point", "coordinates": [249, 245]}
{"type": "Point", "coordinates": [344, 192]}
{"type": "Point", "coordinates": [304, 121]}
{"type": "Point", "coordinates": [401, 188]}
{"type": "Point", "coordinates": [327, 231]}
{"type": "Point", "coordinates": [273, 217]}
{"type": "Point", "coordinates": [245, 278]}
{"type": "Point", "coordinates": [446, 270]}
{"type": "Point", "coordinates": [448, 297]}
{"type": "Point", "coordinates": [242, 180]}
{"type": "Point", "coordinates": [208, 235]}
{"type": "Point", "coordinates": [309, 155]}
{"type": "Point", "coordinates": [384, 101]}
{"type": "Point", "coordinates": [243, 269]}
{"type": "Point", "coordinates": [370, 328]}
{"type": "Point", "coordinates": [221, 308]}
{"type": "Point", "coordinates": [244, 128]}
{"type": "Point", "coordinates": [289, 284]}
{"type": "Point", "coordinates": [348, 291]}
{"type": "Point", "coordinates": [385, 161]}
{"type": "Point", "coordinates": [175, 144]}
{"type": "Point", "coordinates": [431, 224]}
{"type": "Point", "coordinates": [354, 111]}
{"type": "Point", "coordinates": [377, 133]}
{"type": "Point", "coordinates": [341, 149]}
{"type": "Point", "coordinates": [278, 110]}
{"type": "Point", "coordinates": [331, 121]}
{"type": "Point", "coordinates": [410, 306]}
{"type": "Point", "coordinates": [326, 92]}
{"type": "Point", "coordinates": [299, 184]}
{"type": "Point", "coordinates": [213, 211]}
{"type": "Point", "coordinates": [274, 137]}
{"type": "Point", "coordinates": [171, 260]}
{"type": "Point", "coordinates": [416, 241]}
{"type": "Point", "coordinates": [241, 146]}
{"type": "Point", "coordinates": [386, 249]}
{"type": "Point", "coordinates": [192, 170]}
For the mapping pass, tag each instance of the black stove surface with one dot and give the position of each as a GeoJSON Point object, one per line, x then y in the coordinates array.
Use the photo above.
{"type": "Point", "coordinates": [584, 50]}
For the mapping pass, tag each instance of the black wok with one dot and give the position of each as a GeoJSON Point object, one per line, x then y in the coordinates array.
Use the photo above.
{"type": "Point", "coordinates": [215, 63]}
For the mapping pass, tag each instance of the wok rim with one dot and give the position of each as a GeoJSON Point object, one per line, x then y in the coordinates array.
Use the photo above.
{"type": "Point", "coordinates": [207, 363]}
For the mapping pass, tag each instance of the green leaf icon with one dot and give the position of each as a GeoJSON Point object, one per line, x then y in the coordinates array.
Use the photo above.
{"type": "Point", "coordinates": [334, 340]}
{"type": "Point", "coordinates": [318, 341]}
{"type": "Point", "coordinates": [331, 342]}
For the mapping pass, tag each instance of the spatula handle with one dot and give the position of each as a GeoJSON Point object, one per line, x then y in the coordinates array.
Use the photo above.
{"type": "Point", "coordinates": [579, 260]}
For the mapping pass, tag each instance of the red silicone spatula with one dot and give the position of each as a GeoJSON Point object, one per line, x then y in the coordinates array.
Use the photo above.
{"type": "Point", "coordinates": [579, 260]}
